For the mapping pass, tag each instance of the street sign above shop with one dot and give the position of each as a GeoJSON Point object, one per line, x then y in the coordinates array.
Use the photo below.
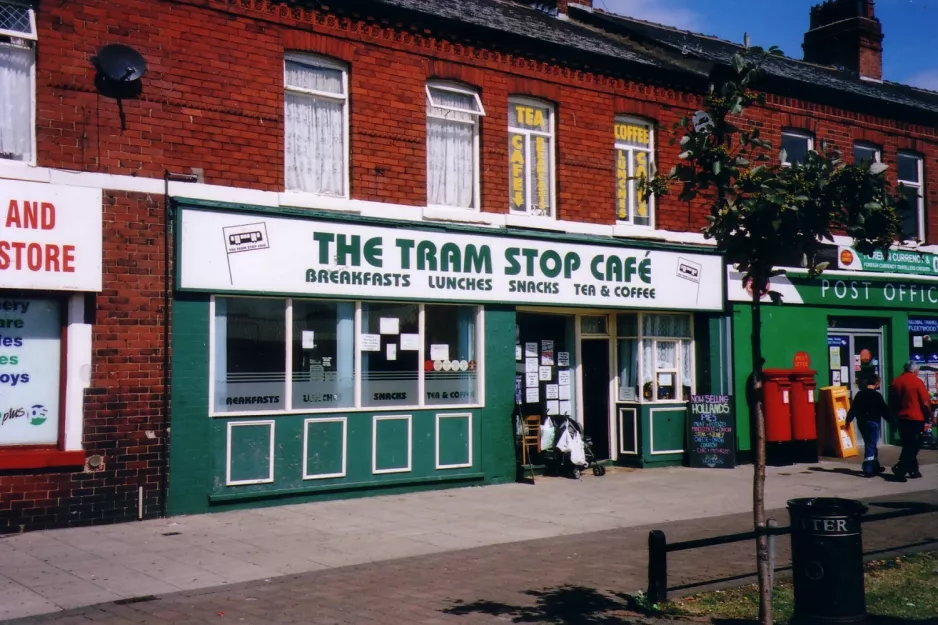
{"type": "Point", "coordinates": [894, 261]}
{"type": "Point", "coordinates": [340, 259]}
{"type": "Point", "coordinates": [50, 237]}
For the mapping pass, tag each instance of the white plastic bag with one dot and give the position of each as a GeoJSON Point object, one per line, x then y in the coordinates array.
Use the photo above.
{"type": "Point", "coordinates": [547, 434]}
{"type": "Point", "coordinates": [563, 445]}
{"type": "Point", "coordinates": [577, 451]}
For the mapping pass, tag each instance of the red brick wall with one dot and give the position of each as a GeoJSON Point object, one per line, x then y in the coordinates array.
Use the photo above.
{"type": "Point", "coordinates": [124, 400]}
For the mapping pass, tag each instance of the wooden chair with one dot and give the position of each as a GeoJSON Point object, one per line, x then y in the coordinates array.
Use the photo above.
{"type": "Point", "coordinates": [530, 441]}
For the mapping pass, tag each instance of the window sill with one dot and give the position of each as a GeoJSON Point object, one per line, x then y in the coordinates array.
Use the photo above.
{"type": "Point", "coordinates": [27, 458]}
{"type": "Point", "coordinates": [463, 215]}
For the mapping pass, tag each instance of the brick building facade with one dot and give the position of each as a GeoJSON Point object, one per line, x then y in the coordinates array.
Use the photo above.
{"type": "Point", "coordinates": [212, 113]}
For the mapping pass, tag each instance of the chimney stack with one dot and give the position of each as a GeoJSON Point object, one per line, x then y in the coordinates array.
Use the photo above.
{"type": "Point", "coordinates": [562, 5]}
{"type": "Point", "coordinates": [846, 33]}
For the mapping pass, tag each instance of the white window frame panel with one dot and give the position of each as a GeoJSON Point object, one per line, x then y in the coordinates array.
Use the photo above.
{"type": "Point", "coordinates": [633, 198]}
{"type": "Point", "coordinates": [877, 151]}
{"type": "Point", "coordinates": [270, 472]}
{"type": "Point", "coordinates": [528, 161]}
{"type": "Point", "coordinates": [918, 186]}
{"type": "Point", "coordinates": [325, 476]}
{"type": "Point", "coordinates": [679, 373]}
{"type": "Point", "coordinates": [357, 402]}
{"type": "Point", "coordinates": [801, 134]}
{"type": "Point", "coordinates": [476, 126]}
{"type": "Point", "coordinates": [28, 41]}
{"type": "Point", "coordinates": [311, 59]}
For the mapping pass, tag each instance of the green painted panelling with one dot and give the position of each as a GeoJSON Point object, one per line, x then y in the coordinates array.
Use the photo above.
{"type": "Point", "coordinates": [325, 452]}
{"type": "Point", "coordinates": [667, 431]}
{"type": "Point", "coordinates": [790, 329]}
{"type": "Point", "coordinates": [392, 444]}
{"type": "Point", "coordinates": [190, 443]}
{"type": "Point", "coordinates": [453, 440]}
{"type": "Point", "coordinates": [497, 446]}
{"type": "Point", "coordinates": [250, 451]}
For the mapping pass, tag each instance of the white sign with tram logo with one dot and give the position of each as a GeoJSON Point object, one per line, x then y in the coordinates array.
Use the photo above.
{"type": "Point", "coordinates": [245, 238]}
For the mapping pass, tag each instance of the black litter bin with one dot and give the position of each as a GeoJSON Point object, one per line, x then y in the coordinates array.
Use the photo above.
{"type": "Point", "coordinates": [827, 561]}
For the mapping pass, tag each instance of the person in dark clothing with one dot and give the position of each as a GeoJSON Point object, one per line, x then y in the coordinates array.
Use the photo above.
{"type": "Point", "coordinates": [911, 404]}
{"type": "Point", "coordinates": [869, 409]}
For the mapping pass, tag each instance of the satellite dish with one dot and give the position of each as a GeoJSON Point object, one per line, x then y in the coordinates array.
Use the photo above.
{"type": "Point", "coordinates": [120, 63]}
{"type": "Point", "coordinates": [119, 69]}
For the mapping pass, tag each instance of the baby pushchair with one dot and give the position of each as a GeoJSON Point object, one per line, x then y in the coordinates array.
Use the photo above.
{"type": "Point", "coordinates": [564, 455]}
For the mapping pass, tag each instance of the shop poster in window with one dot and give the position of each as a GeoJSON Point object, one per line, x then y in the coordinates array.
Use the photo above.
{"type": "Point", "coordinates": [544, 373]}
{"type": "Point", "coordinates": [371, 342]}
{"type": "Point", "coordinates": [389, 325]}
{"type": "Point", "coordinates": [530, 379]}
{"type": "Point", "coordinates": [410, 342]}
{"type": "Point", "coordinates": [29, 382]}
{"type": "Point", "coordinates": [309, 341]}
{"type": "Point", "coordinates": [553, 407]}
{"type": "Point", "coordinates": [531, 395]}
{"type": "Point", "coordinates": [563, 378]}
{"type": "Point", "coordinates": [564, 391]}
{"type": "Point", "coordinates": [547, 353]}
{"type": "Point", "coordinates": [530, 365]}
{"type": "Point", "coordinates": [439, 351]}
{"type": "Point", "coordinates": [392, 351]}
{"type": "Point", "coordinates": [530, 350]}
{"type": "Point", "coordinates": [563, 359]}
{"type": "Point", "coordinates": [551, 391]}
{"type": "Point", "coordinates": [565, 408]}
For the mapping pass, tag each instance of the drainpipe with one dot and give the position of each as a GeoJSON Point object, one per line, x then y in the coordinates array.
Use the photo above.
{"type": "Point", "coordinates": [167, 303]}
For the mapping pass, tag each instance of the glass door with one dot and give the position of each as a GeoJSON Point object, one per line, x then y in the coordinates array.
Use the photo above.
{"type": "Point", "coordinates": [853, 356]}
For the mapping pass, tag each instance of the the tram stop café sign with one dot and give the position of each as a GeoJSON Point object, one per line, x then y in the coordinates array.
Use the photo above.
{"type": "Point", "coordinates": [240, 252]}
{"type": "Point", "coordinates": [50, 237]}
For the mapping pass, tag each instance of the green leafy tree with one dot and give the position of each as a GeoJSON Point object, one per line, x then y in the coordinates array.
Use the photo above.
{"type": "Point", "coordinates": [762, 212]}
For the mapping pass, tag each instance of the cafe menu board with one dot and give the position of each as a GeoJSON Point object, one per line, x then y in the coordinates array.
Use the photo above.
{"type": "Point", "coordinates": [30, 347]}
{"type": "Point", "coordinates": [711, 434]}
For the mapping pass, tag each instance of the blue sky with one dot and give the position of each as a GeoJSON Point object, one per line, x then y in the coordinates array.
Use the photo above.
{"type": "Point", "coordinates": [910, 54]}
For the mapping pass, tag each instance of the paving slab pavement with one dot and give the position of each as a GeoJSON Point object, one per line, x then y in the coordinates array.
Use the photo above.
{"type": "Point", "coordinates": [57, 570]}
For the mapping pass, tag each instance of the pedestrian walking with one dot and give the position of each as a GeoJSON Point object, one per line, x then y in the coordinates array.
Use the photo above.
{"type": "Point", "coordinates": [911, 405]}
{"type": "Point", "coordinates": [870, 409]}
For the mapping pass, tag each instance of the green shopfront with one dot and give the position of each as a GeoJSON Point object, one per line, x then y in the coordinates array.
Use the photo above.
{"type": "Point", "coordinates": [317, 358]}
{"type": "Point", "coordinates": [852, 321]}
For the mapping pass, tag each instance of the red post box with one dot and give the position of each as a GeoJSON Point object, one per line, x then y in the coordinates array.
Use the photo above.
{"type": "Point", "coordinates": [803, 423]}
{"type": "Point", "coordinates": [776, 389]}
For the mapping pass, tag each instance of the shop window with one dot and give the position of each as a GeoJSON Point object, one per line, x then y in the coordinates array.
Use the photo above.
{"type": "Point", "coordinates": [451, 360]}
{"type": "Point", "coordinates": [593, 324]}
{"type": "Point", "coordinates": [655, 357]}
{"type": "Point", "coordinates": [796, 145]}
{"type": "Point", "coordinates": [316, 125]}
{"type": "Point", "coordinates": [30, 372]}
{"type": "Point", "coordinates": [326, 348]}
{"type": "Point", "coordinates": [865, 153]}
{"type": "Point", "coordinates": [250, 364]}
{"type": "Point", "coordinates": [323, 354]}
{"type": "Point", "coordinates": [389, 373]}
{"type": "Point", "coordinates": [453, 115]}
{"type": "Point", "coordinates": [634, 147]}
{"type": "Point", "coordinates": [911, 188]}
{"type": "Point", "coordinates": [17, 81]}
{"type": "Point", "coordinates": [531, 157]}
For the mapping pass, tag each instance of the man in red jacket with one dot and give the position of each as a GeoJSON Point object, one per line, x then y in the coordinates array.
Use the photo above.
{"type": "Point", "coordinates": [909, 401]}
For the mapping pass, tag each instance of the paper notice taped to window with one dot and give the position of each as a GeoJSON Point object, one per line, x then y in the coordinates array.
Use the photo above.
{"type": "Point", "coordinates": [390, 325]}
{"type": "Point", "coordinates": [371, 342]}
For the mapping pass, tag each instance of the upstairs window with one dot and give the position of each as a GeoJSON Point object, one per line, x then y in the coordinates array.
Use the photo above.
{"type": "Point", "coordinates": [912, 190]}
{"type": "Point", "coordinates": [316, 126]}
{"type": "Point", "coordinates": [796, 145]}
{"type": "Point", "coordinates": [453, 146]}
{"type": "Point", "coordinates": [17, 81]}
{"type": "Point", "coordinates": [865, 153]}
{"type": "Point", "coordinates": [530, 157]}
{"type": "Point", "coordinates": [634, 149]}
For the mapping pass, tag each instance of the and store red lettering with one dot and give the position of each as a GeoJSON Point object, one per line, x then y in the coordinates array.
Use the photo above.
{"type": "Point", "coordinates": [34, 216]}
{"type": "Point", "coordinates": [46, 257]}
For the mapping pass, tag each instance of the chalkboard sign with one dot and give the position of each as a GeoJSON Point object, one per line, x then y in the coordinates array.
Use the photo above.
{"type": "Point", "coordinates": [711, 432]}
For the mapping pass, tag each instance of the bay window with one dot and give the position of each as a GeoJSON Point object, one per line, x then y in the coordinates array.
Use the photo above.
{"type": "Point", "coordinates": [17, 81]}
{"type": "Point", "coordinates": [634, 149]}
{"type": "Point", "coordinates": [530, 157]}
{"type": "Point", "coordinates": [316, 125]}
{"type": "Point", "coordinates": [273, 355]}
{"type": "Point", "coordinates": [453, 146]}
{"type": "Point", "coordinates": [655, 357]}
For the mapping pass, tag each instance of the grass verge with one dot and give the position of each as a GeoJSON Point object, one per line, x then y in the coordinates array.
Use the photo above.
{"type": "Point", "coordinates": [900, 588]}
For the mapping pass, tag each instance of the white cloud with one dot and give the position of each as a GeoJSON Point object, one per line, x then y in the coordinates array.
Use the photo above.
{"type": "Point", "coordinates": [659, 11]}
{"type": "Point", "coordinates": [927, 79]}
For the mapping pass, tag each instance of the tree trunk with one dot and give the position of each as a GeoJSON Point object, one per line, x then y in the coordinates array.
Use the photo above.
{"type": "Point", "coordinates": [756, 405]}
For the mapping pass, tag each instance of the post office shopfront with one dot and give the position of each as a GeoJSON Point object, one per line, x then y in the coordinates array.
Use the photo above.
{"type": "Point", "coordinates": [852, 321]}
{"type": "Point", "coordinates": [314, 357]}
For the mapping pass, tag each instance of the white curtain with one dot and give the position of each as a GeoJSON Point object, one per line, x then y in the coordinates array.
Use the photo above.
{"type": "Point", "coordinates": [450, 167]}
{"type": "Point", "coordinates": [666, 326]}
{"type": "Point", "coordinates": [16, 96]}
{"type": "Point", "coordinates": [315, 131]}
{"type": "Point", "coordinates": [687, 373]}
{"type": "Point", "coordinates": [450, 149]}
